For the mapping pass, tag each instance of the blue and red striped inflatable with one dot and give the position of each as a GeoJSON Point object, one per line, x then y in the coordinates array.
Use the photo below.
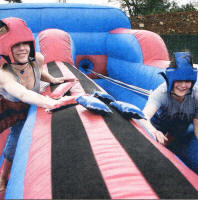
{"type": "Point", "coordinates": [73, 153]}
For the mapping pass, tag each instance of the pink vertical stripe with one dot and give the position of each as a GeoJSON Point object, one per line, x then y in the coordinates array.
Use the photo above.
{"type": "Point", "coordinates": [3, 138]}
{"type": "Point", "coordinates": [122, 177]}
{"type": "Point", "coordinates": [37, 184]}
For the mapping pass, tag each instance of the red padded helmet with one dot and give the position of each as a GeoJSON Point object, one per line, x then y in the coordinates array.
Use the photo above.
{"type": "Point", "coordinates": [17, 32]}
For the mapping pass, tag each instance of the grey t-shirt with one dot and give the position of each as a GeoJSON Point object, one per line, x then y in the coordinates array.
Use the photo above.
{"type": "Point", "coordinates": [172, 116]}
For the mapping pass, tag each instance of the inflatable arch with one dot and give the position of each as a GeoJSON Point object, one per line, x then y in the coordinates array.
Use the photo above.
{"type": "Point", "coordinates": [73, 153]}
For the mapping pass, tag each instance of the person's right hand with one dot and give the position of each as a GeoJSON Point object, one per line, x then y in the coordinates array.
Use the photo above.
{"type": "Point", "coordinates": [66, 100]}
{"type": "Point", "coordinates": [63, 101]}
{"type": "Point", "coordinates": [159, 136]}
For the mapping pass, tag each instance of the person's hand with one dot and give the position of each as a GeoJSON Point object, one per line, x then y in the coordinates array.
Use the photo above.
{"type": "Point", "coordinates": [159, 136]}
{"type": "Point", "coordinates": [63, 101]}
{"type": "Point", "coordinates": [58, 80]}
{"type": "Point", "coordinates": [66, 100]}
{"type": "Point", "coordinates": [62, 80]}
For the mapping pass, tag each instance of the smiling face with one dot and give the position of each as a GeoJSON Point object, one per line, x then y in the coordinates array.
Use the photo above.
{"type": "Point", "coordinates": [181, 88]}
{"type": "Point", "coordinates": [21, 52]}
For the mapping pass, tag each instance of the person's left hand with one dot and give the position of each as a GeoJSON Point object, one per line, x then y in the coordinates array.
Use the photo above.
{"type": "Point", "coordinates": [62, 80]}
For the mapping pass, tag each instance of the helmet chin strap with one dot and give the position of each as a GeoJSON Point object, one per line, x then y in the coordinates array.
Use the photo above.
{"type": "Point", "coordinates": [30, 59]}
{"type": "Point", "coordinates": [175, 94]}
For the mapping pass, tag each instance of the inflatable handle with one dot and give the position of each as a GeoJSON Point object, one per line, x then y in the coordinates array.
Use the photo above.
{"type": "Point", "coordinates": [104, 97]}
{"type": "Point", "coordinates": [128, 110]}
{"type": "Point", "coordinates": [93, 104]}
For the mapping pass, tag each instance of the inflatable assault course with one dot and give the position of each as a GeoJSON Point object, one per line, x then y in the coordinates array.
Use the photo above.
{"type": "Point", "coordinates": [73, 152]}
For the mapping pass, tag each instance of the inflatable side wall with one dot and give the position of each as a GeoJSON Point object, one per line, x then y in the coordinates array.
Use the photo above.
{"type": "Point", "coordinates": [140, 55]}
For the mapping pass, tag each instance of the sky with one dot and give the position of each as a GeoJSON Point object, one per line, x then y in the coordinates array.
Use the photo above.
{"type": "Point", "coordinates": [181, 2]}
{"type": "Point", "coordinates": [83, 1]}
{"type": "Point", "coordinates": [68, 1]}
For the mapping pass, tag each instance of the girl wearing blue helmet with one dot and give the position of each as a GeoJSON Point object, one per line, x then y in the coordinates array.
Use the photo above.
{"type": "Point", "coordinates": [173, 107]}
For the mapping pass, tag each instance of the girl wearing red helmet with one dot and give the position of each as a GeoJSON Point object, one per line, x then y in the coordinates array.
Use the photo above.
{"type": "Point", "coordinates": [20, 78]}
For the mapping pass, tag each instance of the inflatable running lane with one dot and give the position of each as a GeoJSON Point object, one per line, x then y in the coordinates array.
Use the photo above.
{"type": "Point", "coordinates": [73, 153]}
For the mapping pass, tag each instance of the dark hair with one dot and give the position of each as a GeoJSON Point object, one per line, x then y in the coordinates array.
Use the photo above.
{"type": "Point", "coordinates": [3, 26]}
{"type": "Point", "coordinates": [173, 61]}
{"type": "Point", "coordinates": [4, 65]}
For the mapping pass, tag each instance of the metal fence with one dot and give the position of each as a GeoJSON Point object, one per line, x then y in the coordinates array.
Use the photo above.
{"type": "Point", "coordinates": [182, 43]}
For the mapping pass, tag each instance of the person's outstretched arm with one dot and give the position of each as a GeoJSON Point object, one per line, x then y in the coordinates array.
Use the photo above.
{"type": "Point", "coordinates": [28, 96]}
{"type": "Point", "coordinates": [149, 112]}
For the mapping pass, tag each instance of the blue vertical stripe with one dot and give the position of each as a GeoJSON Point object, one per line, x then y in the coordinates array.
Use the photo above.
{"type": "Point", "coordinates": [15, 187]}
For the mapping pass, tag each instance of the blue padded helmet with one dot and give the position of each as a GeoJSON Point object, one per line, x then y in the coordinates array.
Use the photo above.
{"type": "Point", "coordinates": [183, 71]}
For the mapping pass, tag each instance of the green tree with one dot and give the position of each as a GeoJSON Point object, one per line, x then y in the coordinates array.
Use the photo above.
{"type": "Point", "coordinates": [144, 7]}
{"type": "Point", "coordinates": [176, 8]}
